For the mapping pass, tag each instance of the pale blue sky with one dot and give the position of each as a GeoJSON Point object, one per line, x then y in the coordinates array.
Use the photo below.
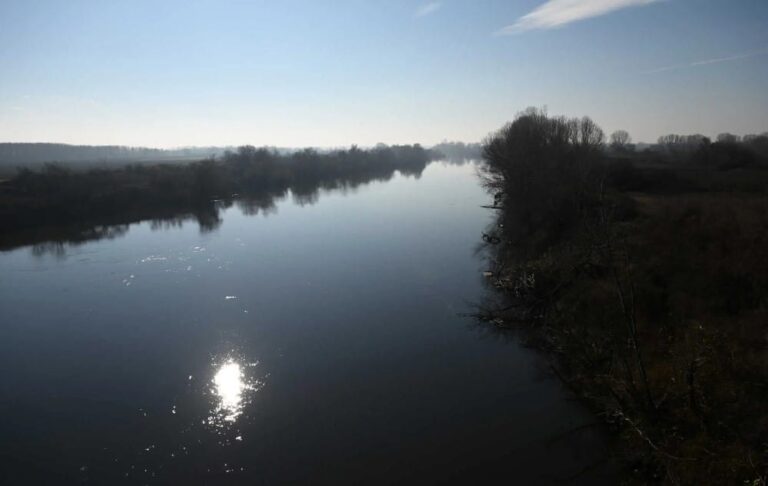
{"type": "Point", "coordinates": [330, 73]}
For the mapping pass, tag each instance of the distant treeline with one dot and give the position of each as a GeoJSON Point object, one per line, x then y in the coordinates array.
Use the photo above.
{"type": "Point", "coordinates": [645, 274]}
{"type": "Point", "coordinates": [33, 155]}
{"type": "Point", "coordinates": [459, 151]}
{"type": "Point", "coordinates": [727, 151]}
{"type": "Point", "coordinates": [30, 154]}
{"type": "Point", "coordinates": [34, 201]}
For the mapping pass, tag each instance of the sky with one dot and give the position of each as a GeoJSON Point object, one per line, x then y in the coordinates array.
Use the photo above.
{"type": "Point", "coordinates": [322, 73]}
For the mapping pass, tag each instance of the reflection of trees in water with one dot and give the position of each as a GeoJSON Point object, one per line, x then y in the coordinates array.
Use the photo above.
{"type": "Point", "coordinates": [57, 244]}
{"type": "Point", "coordinates": [252, 206]}
{"type": "Point", "coordinates": [208, 218]}
{"type": "Point", "coordinates": [172, 222]}
{"type": "Point", "coordinates": [306, 198]}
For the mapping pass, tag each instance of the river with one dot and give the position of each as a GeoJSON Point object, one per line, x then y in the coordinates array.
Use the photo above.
{"type": "Point", "coordinates": [319, 342]}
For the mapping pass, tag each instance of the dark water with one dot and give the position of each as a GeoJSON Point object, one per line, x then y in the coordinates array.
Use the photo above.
{"type": "Point", "coordinates": [317, 344]}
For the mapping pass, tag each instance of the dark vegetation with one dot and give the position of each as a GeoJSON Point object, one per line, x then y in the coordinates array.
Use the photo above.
{"type": "Point", "coordinates": [42, 205]}
{"type": "Point", "coordinates": [35, 155]}
{"type": "Point", "coordinates": [645, 275]}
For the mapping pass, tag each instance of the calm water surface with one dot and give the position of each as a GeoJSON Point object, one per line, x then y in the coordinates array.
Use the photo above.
{"type": "Point", "coordinates": [319, 343]}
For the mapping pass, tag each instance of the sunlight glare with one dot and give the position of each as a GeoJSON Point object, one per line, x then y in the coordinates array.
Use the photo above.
{"type": "Point", "coordinates": [229, 388]}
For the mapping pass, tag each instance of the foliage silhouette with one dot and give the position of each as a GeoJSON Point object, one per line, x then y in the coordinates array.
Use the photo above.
{"type": "Point", "coordinates": [644, 274]}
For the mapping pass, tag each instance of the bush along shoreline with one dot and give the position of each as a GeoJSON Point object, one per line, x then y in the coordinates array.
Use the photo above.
{"type": "Point", "coordinates": [646, 282]}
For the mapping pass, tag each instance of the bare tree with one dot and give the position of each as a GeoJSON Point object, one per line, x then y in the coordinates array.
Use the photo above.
{"type": "Point", "coordinates": [728, 138]}
{"type": "Point", "coordinates": [591, 135]}
{"type": "Point", "coordinates": [620, 139]}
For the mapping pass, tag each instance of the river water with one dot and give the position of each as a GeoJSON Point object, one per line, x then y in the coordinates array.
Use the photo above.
{"type": "Point", "coordinates": [321, 342]}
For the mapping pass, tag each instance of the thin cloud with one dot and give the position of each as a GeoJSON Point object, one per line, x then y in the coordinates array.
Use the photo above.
{"type": "Point", "coordinates": [557, 13]}
{"type": "Point", "coordinates": [428, 9]}
{"type": "Point", "coordinates": [704, 62]}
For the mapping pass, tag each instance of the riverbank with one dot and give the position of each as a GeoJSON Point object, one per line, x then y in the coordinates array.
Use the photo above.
{"type": "Point", "coordinates": [37, 203]}
{"type": "Point", "coordinates": [646, 280]}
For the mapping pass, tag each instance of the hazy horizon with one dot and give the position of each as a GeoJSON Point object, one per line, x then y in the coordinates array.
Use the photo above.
{"type": "Point", "coordinates": [299, 73]}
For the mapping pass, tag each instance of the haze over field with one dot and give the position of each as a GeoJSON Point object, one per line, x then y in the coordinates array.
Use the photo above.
{"type": "Point", "coordinates": [308, 73]}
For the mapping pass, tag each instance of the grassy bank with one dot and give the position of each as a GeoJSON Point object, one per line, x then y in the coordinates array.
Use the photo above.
{"type": "Point", "coordinates": [645, 275]}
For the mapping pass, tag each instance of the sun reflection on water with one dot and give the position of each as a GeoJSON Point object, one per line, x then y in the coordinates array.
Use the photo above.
{"type": "Point", "coordinates": [231, 389]}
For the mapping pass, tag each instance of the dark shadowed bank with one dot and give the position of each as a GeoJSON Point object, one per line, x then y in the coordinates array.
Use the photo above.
{"type": "Point", "coordinates": [645, 275]}
{"type": "Point", "coordinates": [58, 203]}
